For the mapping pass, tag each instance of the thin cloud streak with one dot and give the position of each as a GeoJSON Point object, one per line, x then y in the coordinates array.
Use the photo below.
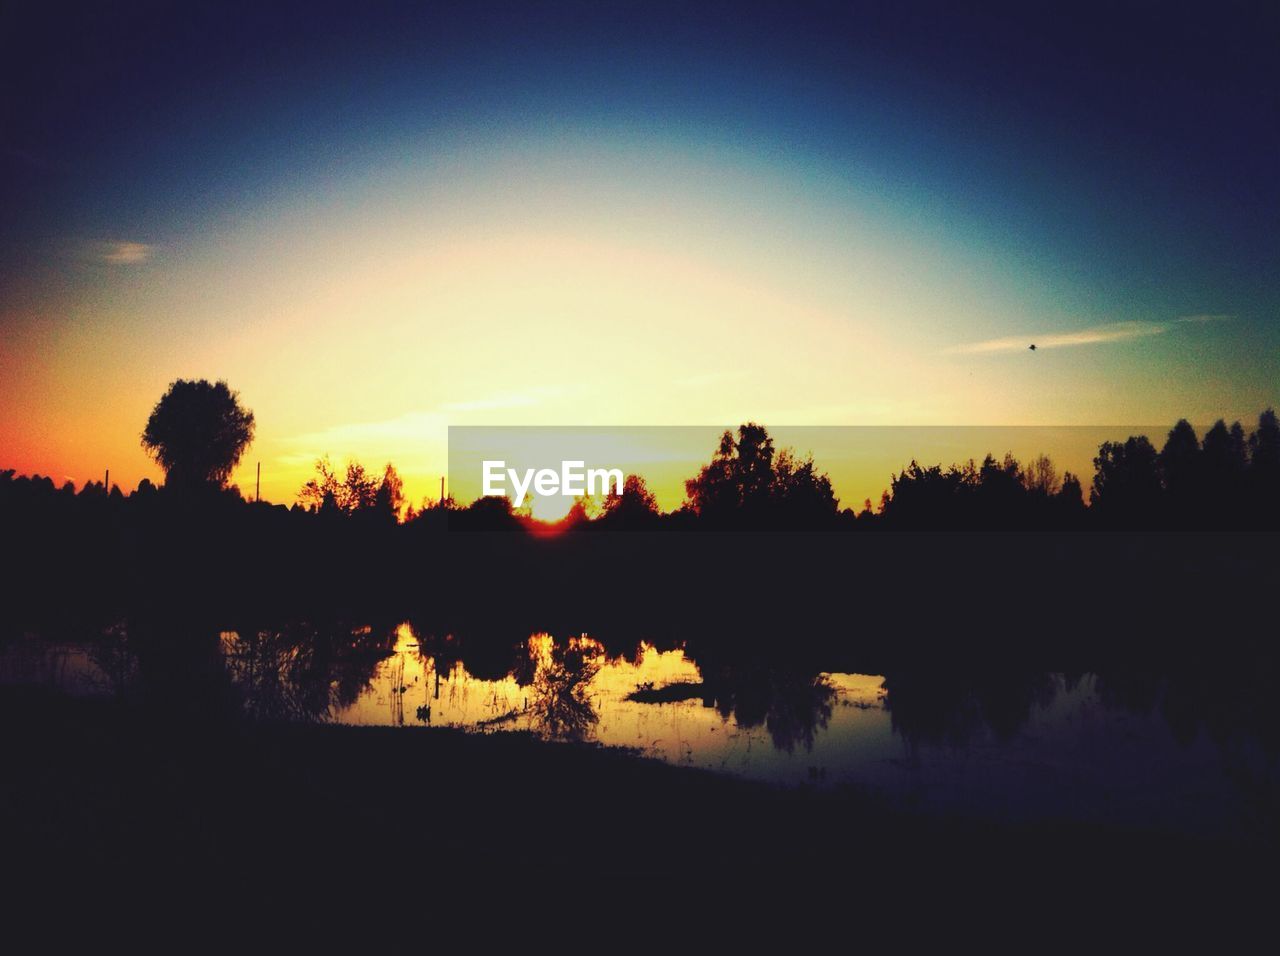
{"type": "Point", "coordinates": [420, 426]}
{"type": "Point", "coordinates": [1202, 318]}
{"type": "Point", "coordinates": [124, 253]}
{"type": "Point", "coordinates": [411, 427]}
{"type": "Point", "coordinates": [708, 379]}
{"type": "Point", "coordinates": [525, 399]}
{"type": "Point", "coordinates": [1098, 335]}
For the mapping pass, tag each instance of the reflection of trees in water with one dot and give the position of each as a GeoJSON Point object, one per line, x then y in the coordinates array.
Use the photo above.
{"type": "Point", "coordinates": [307, 671]}
{"type": "Point", "coordinates": [1235, 707]}
{"type": "Point", "coordinates": [953, 707]}
{"type": "Point", "coordinates": [801, 706]}
{"type": "Point", "coordinates": [1233, 703]}
{"type": "Point", "coordinates": [1226, 699]}
{"type": "Point", "coordinates": [792, 703]}
{"type": "Point", "coordinates": [557, 673]}
{"type": "Point", "coordinates": [304, 671]}
{"type": "Point", "coordinates": [114, 660]}
{"type": "Point", "coordinates": [448, 656]}
{"type": "Point", "coordinates": [181, 672]}
{"type": "Point", "coordinates": [486, 656]}
{"type": "Point", "coordinates": [560, 704]}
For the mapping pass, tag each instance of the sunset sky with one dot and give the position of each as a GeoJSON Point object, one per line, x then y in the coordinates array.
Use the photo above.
{"type": "Point", "coordinates": [596, 214]}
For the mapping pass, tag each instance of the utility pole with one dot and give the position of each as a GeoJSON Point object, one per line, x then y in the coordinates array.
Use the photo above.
{"type": "Point", "coordinates": [442, 491]}
{"type": "Point", "coordinates": [257, 492]}
{"type": "Point", "coordinates": [106, 482]}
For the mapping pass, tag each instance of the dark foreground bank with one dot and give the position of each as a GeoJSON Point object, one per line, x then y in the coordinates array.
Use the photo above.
{"type": "Point", "coordinates": [96, 793]}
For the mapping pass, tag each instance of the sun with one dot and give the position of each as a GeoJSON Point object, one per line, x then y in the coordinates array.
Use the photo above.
{"type": "Point", "coordinates": [550, 508]}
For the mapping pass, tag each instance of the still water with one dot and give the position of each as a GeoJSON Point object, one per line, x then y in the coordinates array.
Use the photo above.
{"type": "Point", "coordinates": [1120, 749]}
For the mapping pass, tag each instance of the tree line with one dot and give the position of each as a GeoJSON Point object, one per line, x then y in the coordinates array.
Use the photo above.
{"type": "Point", "coordinates": [1226, 480]}
{"type": "Point", "coordinates": [1229, 478]}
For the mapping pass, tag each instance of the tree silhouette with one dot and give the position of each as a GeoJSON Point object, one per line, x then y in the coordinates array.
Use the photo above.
{"type": "Point", "coordinates": [1224, 452]}
{"type": "Point", "coordinates": [1041, 477]}
{"type": "Point", "coordinates": [1223, 458]}
{"type": "Point", "coordinates": [1264, 447]}
{"type": "Point", "coordinates": [747, 482]}
{"type": "Point", "coordinates": [489, 513]}
{"type": "Point", "coordinates": [1264, 468]}
{"type": "Point", "coordinates": [1180, 459]}
{"type": "Point", "coordinates": [1002, 491]}
{"type": "Point", "coordinates": [739, 476]}
{"type": "Point", "coordinates": [802, 493]}
{"type": "Point", "coordinates": [389, 499]}
{"type": "Point", "coordinates": [1126, 481]}
{"type": "Point", "coordinates": [929, 496]}
{"type": "Point", "coordinates": [1070, 499]}
{"type": "Point", "coordinates": [1181, 469]}
{"type": "Point", "coordinates": [357, 491]}
{"type": "Point", "coordinates": [635, 507]}
{"type": "Point", "coordinates": [198, 432]}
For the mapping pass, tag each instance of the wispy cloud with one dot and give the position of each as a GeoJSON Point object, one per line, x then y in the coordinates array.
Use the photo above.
{"type": "Point", "coordinates": [419, 426]}
{"type": "Point", "coordinates": [1202, 318]}
{"type": "Point", "coordinates": [414, 426]}
{"type": "Point", "coordinates": [1097, 335]}
{"type": "Point", "coordinates": [503, 400]}
{"type": "Point", "coordinates": [123, 252]}
{"type": "Point", "coordinates": [708, 379]}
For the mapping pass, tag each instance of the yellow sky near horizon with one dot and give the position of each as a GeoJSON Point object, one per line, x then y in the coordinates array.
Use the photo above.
{"type": "Point", "coordinates": [362, 321]}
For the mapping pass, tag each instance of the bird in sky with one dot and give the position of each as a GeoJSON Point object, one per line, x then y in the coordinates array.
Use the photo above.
{"type": "Point", "coordinates": [1033, 346]}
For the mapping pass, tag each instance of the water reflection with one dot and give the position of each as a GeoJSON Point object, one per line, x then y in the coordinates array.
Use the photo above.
{"type": "Point", "coordinates": [114, 666]}
{"type": "Point", "coordinates": [946, 707]}
{"type": "Point", "coordinates": [792, 706]}
{"type": "Point", "coordinates": [1184, 748]}
{"type": "Point", "coordinates": [305, 671]}
{"type": "Point", "coordinates": [563, 672]}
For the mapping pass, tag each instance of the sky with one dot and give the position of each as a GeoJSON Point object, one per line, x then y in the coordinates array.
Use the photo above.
{"type": "Point", "coordinates": [377, 221]}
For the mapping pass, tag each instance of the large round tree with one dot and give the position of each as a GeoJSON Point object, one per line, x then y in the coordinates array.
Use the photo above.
{"type": "Point", "coordinates": [197, 433]}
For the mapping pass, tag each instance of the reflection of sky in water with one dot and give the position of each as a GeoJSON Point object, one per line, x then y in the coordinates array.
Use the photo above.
{"type": "Point", "coordinates": [1074, 756]}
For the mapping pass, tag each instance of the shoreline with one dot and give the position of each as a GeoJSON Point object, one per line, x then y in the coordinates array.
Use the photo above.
{"type": "Point", "coordinates": [97, 785]}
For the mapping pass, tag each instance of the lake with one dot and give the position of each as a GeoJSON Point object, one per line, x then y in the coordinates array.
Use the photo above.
{"type": "Point", "coordinates": [1130, 749]}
